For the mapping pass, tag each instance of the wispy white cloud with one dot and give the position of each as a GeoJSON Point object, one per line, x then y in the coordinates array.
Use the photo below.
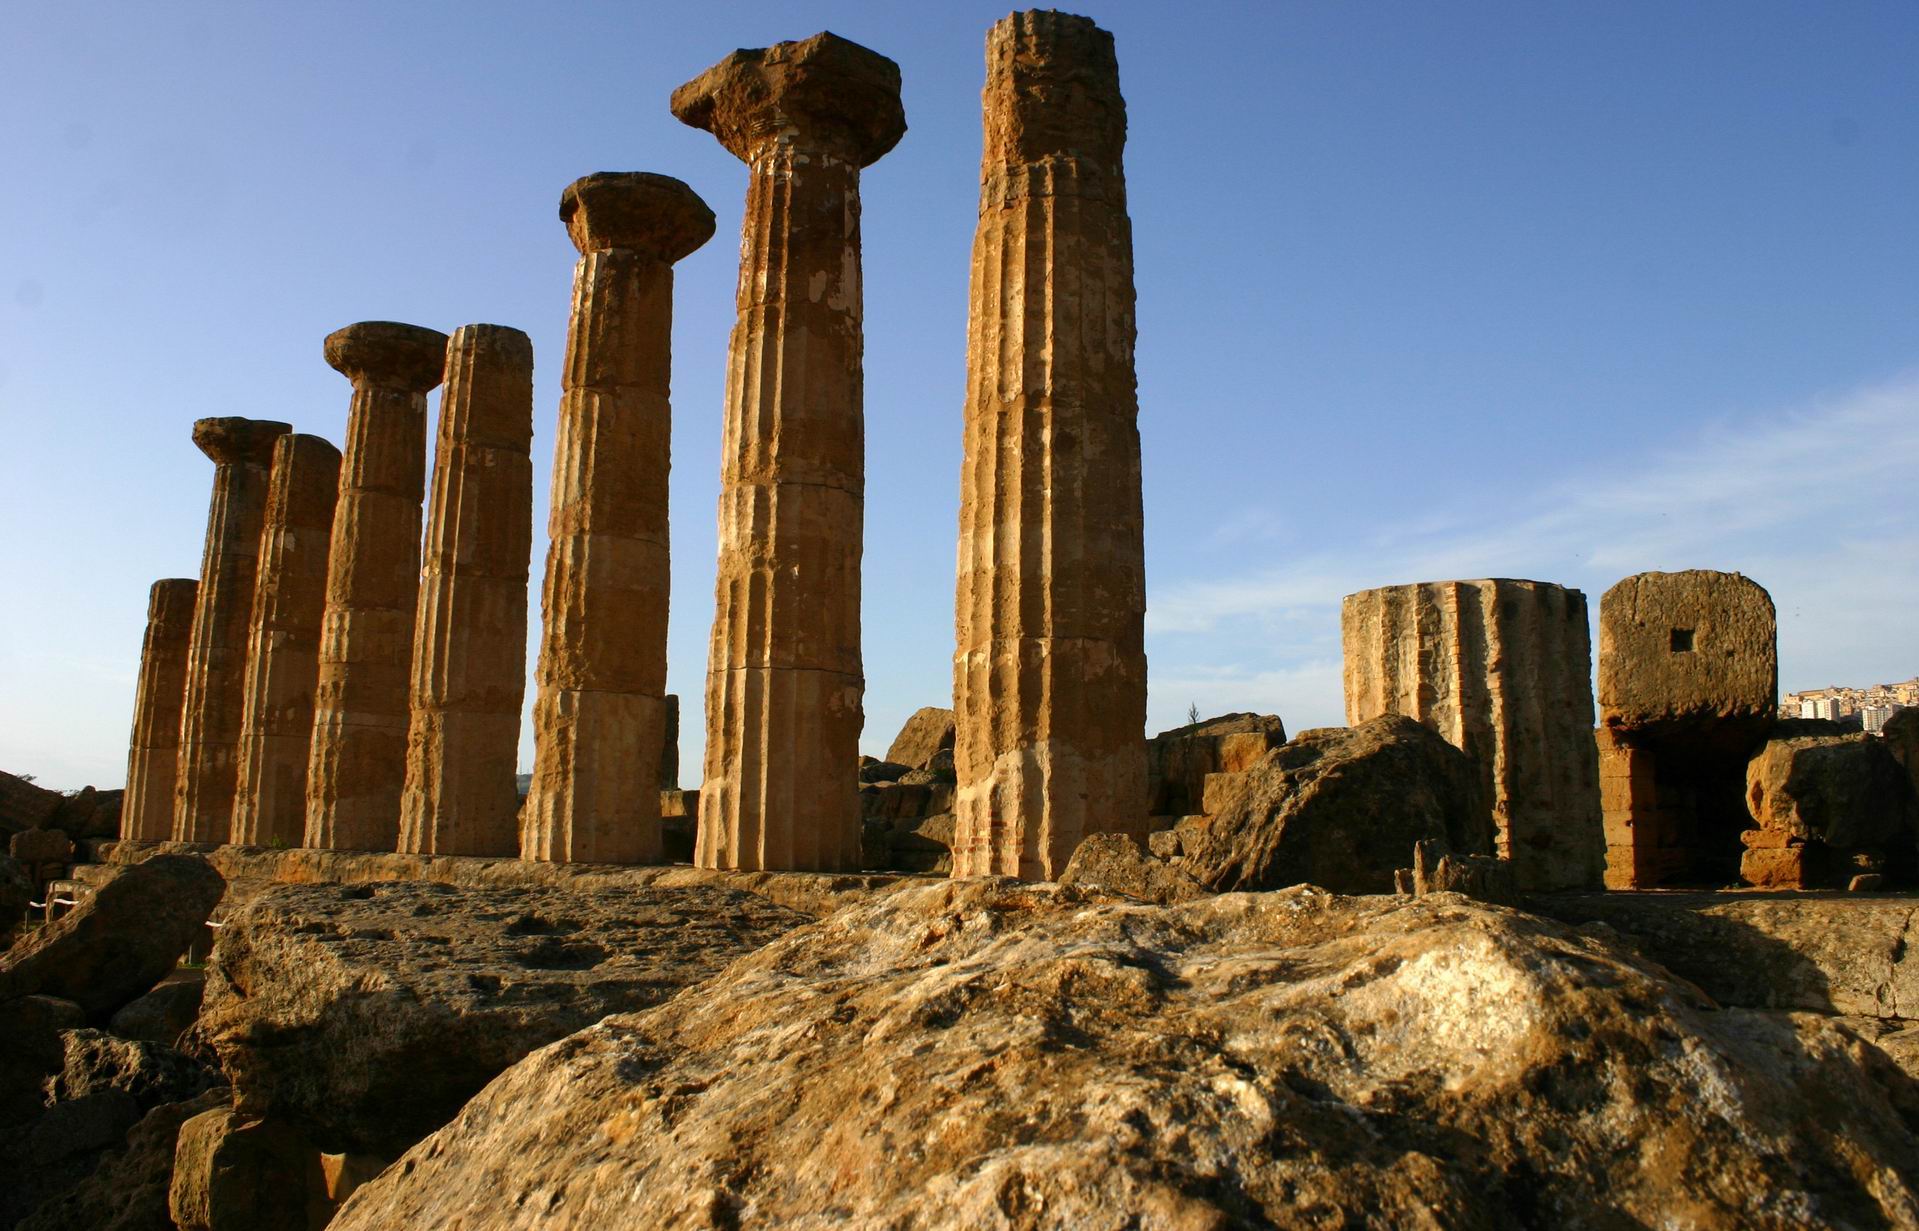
{"type": "Point", "coordinates": [1817, 503]}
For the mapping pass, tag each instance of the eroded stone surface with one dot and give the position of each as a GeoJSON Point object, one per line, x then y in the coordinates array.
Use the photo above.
{"type": "Point", "coordinates": [153, 752]}
{"type": "Point", "coordinates": [357, 763]}
{"type": "Point", "coordinates": [1049, 671]}
{"type": "Point", "coordinates": [214, 703]}
{"type": "Point", "coordinates": [927, 732]}
{"type": "Point", "coordinates": [469, 642]}
{"type": "Point", "coordinates": [283, 659]}
{"type": "Point", "coordinates": [784, 681]}
{"type": "Point", "coordinates": [1827, 809]}
{"type": "Point", "coordinates": [983, 1055]}
{"type": "Point", "coordinates": [1178, 761]}
{"type": "Point", "coordinates": [1502, 669]}
{"type": "Point", "coordinates": [365, 1015]}
{"type": "Point", "coordinates": [599, 716]}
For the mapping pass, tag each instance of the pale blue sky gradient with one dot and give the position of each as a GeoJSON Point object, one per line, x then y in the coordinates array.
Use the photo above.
{"type": "Point", "coordinates": [1426, 291]}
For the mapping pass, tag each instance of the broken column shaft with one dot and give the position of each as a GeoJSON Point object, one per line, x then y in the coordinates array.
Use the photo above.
{"type": "Point", "coordinates": [358, 760]}
{"type": "Point", "coordinates": [1049, 668]}
{"type": "Point", "coordinates": [242, 450]}
{"type": "Point", "coordinates": [283, 658]}
{"type": "Point", "coordinates": [146, 812]}
{"type": "Point", "coordinates": [784, 680]}
{"type": "Point", "coordinates": [469, 644]}
{"type": "Point", "coordinates": [599, 714]}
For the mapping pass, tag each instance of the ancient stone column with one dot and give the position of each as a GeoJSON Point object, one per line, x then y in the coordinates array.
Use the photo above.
{"type": "Point", "coordinates": [783, 682]}
{"type": "Point", "coordinates": [283, 661]}
{"type": "Point", "coordinates": [469, 643]}
{"type": "Point", "coordinates": [242, 450]}
{"type": "Point", "coordinates": [146, 812]}
{"type": "Point", "coordinates": [358, 759]}
{"type": "Point", "coordinates": [1503, 670]}
{"type": "Point", "coordinates": [598, 716]}
{"type": "Point", "coordinates": [1049, 666]}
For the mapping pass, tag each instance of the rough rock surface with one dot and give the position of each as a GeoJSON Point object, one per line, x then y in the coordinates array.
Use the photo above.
{"type": "Point", "coordinates": [119, 942]}
{"type": "Point", "coordinates": [162, 1014]}
{"type": "Point", "coordinates": [127, 1191]}
{"type": "Point", "coordinates": [35, 1051]}
{"type": "Point", "coordinates": [1341, 807]}
{"type": "Point", "coordinates": [928, 732]}
{"type": "Point", "coordinates": [1177, 761]}
{"type": "Point", "coordinates": [149, 1073]}
{"type": "Point", "coordinates": [235, 1173]}
{"type": "Point", "coordinates": [1828, 808]}
{"type": "Point", "coordinates": [366, 1015]}
{"type": "Point", "coordinates": [1680, 649]}
{"type": "Point", "coordinates": [985, 1055]}
{"type": "Point", "coordinates": [1115, 862]}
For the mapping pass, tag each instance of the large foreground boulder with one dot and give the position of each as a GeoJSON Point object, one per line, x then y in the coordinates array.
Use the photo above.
{"type": "Point", "coordinates": [983, 1054]}
{"type": "Point", "coordinates": [1341, 807]}
{"type": "Point", "coordinates": [119, 942]}
{"type": "Point", "coordinates": [365, 1015]}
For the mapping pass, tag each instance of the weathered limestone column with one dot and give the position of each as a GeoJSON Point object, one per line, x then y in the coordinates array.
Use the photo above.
{"type": "Point", "coordinates": [1503, 670]}
{"type": "Point", "coordinates": [1049, 668]}
{"type": "Point", "coordinates": [242, 450]}
{"type": "Point", "coordinates": [358, 759]}
{"type": "Point", "coordinates": [598, 716]}
{"type": "Point", "coordinates": [783, 677]}
{"type": "Point", "coordinates": [283, 661]}
{"type": "Point", "coordinates": [469, 644]}
{"type": "Point", "coordinates": [146, 812]}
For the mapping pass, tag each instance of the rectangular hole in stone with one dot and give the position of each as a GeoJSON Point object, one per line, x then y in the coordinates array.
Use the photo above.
{"type": "Point", "coordinates": [1682, 641]}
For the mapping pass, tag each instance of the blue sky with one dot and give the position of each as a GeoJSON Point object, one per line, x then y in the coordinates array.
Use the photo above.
{"type": "Point", "coordinates": [1426, 291]}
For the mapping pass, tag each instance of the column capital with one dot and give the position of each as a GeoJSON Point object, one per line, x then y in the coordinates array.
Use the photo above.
{"type": "Point", "coordinates": [232, 439]}
{"type": "Point", "coordinates": [653, 214]}
{"type": "Point", "coordinates": [823, 92]}
{"type": "Point", "coordinates": [408, 357]}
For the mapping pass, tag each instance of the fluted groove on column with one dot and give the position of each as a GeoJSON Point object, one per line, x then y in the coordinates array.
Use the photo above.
{"type": "Point", "coordinates": [784, 680]}
{"type": "Point", "coordinates": [599, 713]}
{"type": "Point", "coordinates": [283, 658]}
{"type": "Point", "coordinates": [357, 766]}
{"type": "Point", "coordinates": [215, 700]}
{"type": "Point", "coordinates": [1049, 668]}
{"type": "Point", "coordinates": [146, 811]}
{"type": "Point", "coordinates": [1502, 669]}
{"type": "Point", "coordinates": [469, 645]}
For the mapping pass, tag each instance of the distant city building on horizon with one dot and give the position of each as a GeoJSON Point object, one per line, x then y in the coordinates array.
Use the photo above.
{"type": "Point", "coordinates": [1869, 707]}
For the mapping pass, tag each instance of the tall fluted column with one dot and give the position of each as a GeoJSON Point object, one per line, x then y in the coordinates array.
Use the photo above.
{"type": "Point", "coordinates": [598, 718]}
{"type": "Point", "coordinates": [358, 758]}
{"type": "Point", "coordinates": [283, 659]}
{"type": "Point", "coordinates": [242, 450]}
{"type": "Point", "coordinates": [469, 644]}
{"type": "Point", "coordinates": [1049, 668]}
{"type": "Point", "coordinates": [783, 676]}
{"type": "Point", "coordinates": [146, 812]}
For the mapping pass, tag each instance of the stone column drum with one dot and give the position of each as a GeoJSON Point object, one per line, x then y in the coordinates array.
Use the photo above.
{"type": "Point", "coordinates": [598, 716]}
{"type": "Point", "coordinates": [283, 659]}
{"type": "Point", "coordinates": [469, 643]}
{"type": "Point", "coordinates": [215, 702]}
{"type": "Point", "coordinates": [146, 812]}
{"type": "Point", "coordinates": [1049, 665]}
{"type": "Point", "coordinates": [1503, 670]}
{"type": "Point", "coordinates": [358, 759]}
{"type": "Point", "coordinates": [784, 683]}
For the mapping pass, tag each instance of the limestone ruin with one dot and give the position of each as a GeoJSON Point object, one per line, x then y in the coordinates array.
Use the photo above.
{"type": "Point", "coordinates": [469, 642]}
{"type": "Point", "coordinates": [1502, 669]}
{"type": "Point", "coordinates": [784, 682]}
{"type": "Point", "coordinates": [1688, 684]}
{"type": "Point", "coordinates": [1049, 669]}
{"type": "Point", "coordinates": [599, 715]}
{"type": "Point", "coordinates": [357, 763]}
{"type": "Point", "coordinates": [146, 813]}
{"type": "Point", "coordinates": [283, 657]}
{"type": "Point", "coordinates": [215, 701]}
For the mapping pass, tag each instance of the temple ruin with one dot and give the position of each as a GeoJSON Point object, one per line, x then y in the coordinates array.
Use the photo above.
{"type": "Point", "coordinates": [1049, 666]}
{"type": "Point", "coordinates": [784, 681]}
{"type": "Point", "coordinates": [283, 656]}
{"type": "Point", "coordinates": [1688, 684]}
{"type": "Point", "coordinates": [469, 642]}
{"type": "Point", "coordinates": [357, 764]}
{"type": "Point", "coordinates": [215, 701]}
{"type": "Point", "coordinates": [599, 717]}
{"type": "Point", "coordinates": [146, 812]}
{"type": "Point", "coordinates": [1502, 669]}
